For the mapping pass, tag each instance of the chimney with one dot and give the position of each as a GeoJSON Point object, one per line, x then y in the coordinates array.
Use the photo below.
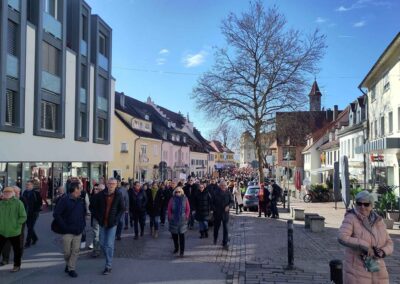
{"type": "Point", "coordinates": [335, 112]}
{"type": "Point", "coordinates": [328, 114]}
{"type": "Point", "coordinates": [122, 100]}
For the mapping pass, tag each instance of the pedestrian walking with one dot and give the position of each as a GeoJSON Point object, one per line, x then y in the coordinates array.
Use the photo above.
{"type": "Point", "coordinates": [12, 218]}
{"type": "Point", "coordinates": [166, 194]}
{"type": "Point", "coordinates": [264, 202]}
{"type": "Point", "coordinates": [70, 214]}
{"type": "Point", "coordinates": [34, 204]}
{"type": "Point", "coordinates": [242, 188]}
{"type": "Point", "coordinates": [276, 193]}
{"type": "Point", "coordinates": [203, 203]}
{"type": "Point", "coordinates": [137, 207]}
{"type": "Point", "coordinates": [222, 202]}
{"type": "Point", "coordinates": [178, 215]}
{"type": "Point", "coordinates": [367, 243]}
{"type": "Point", "coordinates": [190, 189]}
{"type": "Point", "coordinates": [238, 198]}
{"type": "Point", "coordinates": [154, 199]}
{"type": "Point", "coordinates": [5, 253]}
{"type": "Point", "coordinates": [124, 217]}
{"type": "Point", "coordinates": [94, 223]}
{"type": "Point", "coordinates": [107, 208]}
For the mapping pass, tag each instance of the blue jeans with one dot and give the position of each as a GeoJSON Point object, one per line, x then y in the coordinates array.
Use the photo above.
{"type": "Point", "coordinates": [120, 225]}
{"type": "Point", "coordinates": [203, 225]}
{"type": "Point", "coordinates": [107, 240]}
{"type": "Point", "coordinates": [154, 222]}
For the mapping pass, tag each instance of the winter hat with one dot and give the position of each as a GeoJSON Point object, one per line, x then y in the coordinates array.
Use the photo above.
{"type": "Point", "coordinates": [365, 196]}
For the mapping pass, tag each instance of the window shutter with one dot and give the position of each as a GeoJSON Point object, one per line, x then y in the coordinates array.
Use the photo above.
{"type": "Point", "coordinates": [12, 38]}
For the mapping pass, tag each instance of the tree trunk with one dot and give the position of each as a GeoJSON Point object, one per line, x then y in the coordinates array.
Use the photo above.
{"type": "Point", "coordinates": [257, 138]}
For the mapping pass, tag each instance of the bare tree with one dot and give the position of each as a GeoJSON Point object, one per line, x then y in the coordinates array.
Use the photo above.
{"type": "Point", "coordinates": [264, 69]}
{"type": "Point", "coordinates": [226, 134]}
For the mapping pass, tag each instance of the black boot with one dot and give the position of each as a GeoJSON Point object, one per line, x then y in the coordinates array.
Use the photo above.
{"type": "Point", "coordinates": [206, 233]}
{"type": "Point", "coordinates": [201, 234]}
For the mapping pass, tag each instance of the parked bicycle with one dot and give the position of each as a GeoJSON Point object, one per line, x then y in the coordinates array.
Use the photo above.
{"type": "Point", "coordinates": [316, 196]}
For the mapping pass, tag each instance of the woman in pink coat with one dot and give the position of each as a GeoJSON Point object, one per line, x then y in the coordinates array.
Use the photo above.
{"type": "Point", "coordinates": [365, 237]}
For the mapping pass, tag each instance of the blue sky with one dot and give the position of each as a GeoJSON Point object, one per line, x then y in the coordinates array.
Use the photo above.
{"type": "Point", "coordinates": [160, 47]}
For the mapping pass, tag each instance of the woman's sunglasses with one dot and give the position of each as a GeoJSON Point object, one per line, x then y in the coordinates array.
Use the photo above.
{"type": "Point", "coordinates": [363, 204]}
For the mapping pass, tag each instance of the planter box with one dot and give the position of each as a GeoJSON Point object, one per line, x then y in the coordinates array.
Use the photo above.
{"type": "Point", "coordinates": [299, 214]}
{"type": "Point", "coordinates": [393, 216]}
{"type": "Point", "coordinates": [307, 219]}
{"type": "Point", "coordinates": [317, 224]}
{"type": "Point", "coordinates": [389, 223]}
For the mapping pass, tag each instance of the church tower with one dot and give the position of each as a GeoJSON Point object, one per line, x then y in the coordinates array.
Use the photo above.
{"type": "Point", "coordinates": [315, 98]}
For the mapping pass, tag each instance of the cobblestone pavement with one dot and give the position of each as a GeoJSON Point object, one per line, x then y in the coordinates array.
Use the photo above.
{"type": "Point", "coordinates": [257, 254]}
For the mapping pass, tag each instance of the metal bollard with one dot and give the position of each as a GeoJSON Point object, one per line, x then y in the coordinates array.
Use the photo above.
{"type": "Point", "coordinates": [290, 245]}
{"type": "Point", "coordinates": [336, 267]}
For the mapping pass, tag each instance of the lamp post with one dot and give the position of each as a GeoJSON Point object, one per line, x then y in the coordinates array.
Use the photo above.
{"type": "Point", "coordinates": [287, 157]}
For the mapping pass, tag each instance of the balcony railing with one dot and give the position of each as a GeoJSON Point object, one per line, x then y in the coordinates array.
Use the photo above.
{"type": "Point", "coordinates": [102, 104]}
{"type": "Point", "coordinates": [102, 61]}
{"type": "Point", "coordinates": [14, 4]}
{"type": "Point", "coordinates": [51, 82]}
{"type": "Point", "coordinates": [51, 25]}
{"type": "Point", "coordinates": [82, 96]}
{"type": "Point", "coordinates": [83, 47]}
{"type": "Point", "coordinates": [12, 66]}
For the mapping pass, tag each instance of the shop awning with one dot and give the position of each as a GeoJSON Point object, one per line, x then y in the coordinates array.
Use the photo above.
{"type": "Point", "coordinates": [321, 170]}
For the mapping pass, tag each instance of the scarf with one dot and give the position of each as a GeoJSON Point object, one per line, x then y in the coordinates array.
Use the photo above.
{"type": "Point", "coordinates": [178, 206]}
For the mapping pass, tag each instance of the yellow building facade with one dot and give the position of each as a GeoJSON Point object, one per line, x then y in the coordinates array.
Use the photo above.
{"type": "Point", "coordinates": [137, 151]}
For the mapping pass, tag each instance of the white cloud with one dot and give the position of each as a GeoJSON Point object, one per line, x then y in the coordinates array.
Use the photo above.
{"type": "Point", "coordinates": [161, 61]}
{"type": "Point", "coordinates": [359, 24]}
{"type": "Point", "coordinates": [193, 60]}
{"type": "Point", "coordinates": [343, 9]}
{"type": "Point", "coordinates": [164, 51]}
{"type": "Point", "coordinates": [321, 20]}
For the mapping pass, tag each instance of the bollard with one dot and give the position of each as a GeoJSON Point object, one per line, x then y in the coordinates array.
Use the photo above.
{"type": "Point", "coordinates": [336, 267]}
{"type": "Point", "coordinates": [290, 245]}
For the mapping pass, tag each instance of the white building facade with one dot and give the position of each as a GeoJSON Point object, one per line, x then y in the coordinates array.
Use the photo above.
{"type": "Point", "coordinates": [382, 85]}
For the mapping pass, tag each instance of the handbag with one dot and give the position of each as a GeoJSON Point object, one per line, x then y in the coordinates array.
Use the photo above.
{"type": "Point", "coordinates": [55, 227]}
{"type": "Point", "coordinates": [371, 264]}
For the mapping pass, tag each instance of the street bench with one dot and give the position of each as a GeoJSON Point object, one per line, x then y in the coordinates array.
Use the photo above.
{"type": "Point", "coordinates": [307, 219]}
{"type": "Point", "coordinates": [317, 223]}
{"type": "Point", "coordinates": [298, 214]}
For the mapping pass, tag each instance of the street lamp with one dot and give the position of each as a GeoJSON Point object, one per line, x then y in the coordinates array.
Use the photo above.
{"type": "Point", "coordinates": [287, 157]}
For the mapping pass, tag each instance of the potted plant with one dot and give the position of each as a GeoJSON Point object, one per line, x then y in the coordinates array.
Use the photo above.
{"type": "Point", "coordinates": [385, 204]}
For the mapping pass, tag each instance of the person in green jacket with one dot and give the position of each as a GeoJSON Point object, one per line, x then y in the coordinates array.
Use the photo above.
{"type": "Point", "coordinates": [12, 217]}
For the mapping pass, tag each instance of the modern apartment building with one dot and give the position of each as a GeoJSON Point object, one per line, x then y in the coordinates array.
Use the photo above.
{"type": "Point", "coordinates": [56, 92]}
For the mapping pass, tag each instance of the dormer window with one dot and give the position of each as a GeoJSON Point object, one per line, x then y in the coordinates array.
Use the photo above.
{"type": "Point", "coordinates": [178, 138]}
{"type": "Point", "coordinates": [173, 137]}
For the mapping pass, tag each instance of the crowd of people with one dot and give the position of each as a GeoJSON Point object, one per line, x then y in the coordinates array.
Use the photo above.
{"type": "Point", "coordinates": [112, 206]}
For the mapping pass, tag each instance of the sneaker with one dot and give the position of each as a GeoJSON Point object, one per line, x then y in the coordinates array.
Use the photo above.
{"type": "Point", "coordinates": [106, 271]}
{"type": "Point", "coordinates": [72, 274]}
{"type": "Point", "coordinates": [16, 269]}
{"type": "Point", "coordinates": [91, 246]}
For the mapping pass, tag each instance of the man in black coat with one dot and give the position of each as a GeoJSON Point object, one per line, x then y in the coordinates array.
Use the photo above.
{"type": "Point", "coordinates": [34, 205]}
{"type": "Point", "coordinates": [203, 203]}
{"type": "Point", "coordinates": [166, 194]}
{"type": "Point", "coordinates": [107, 208]}
{"type": "Point", "coordinates": [222, 202]}
{"type": "Point", "coordinates": [190, 189]}
{"type": "Point", "coordinates": [276, 193]}
{"type": "Point", "coordinates": [137, 208]}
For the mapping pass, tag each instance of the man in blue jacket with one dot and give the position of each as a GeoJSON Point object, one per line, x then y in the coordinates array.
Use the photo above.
{"type": "Point", "coordinates": [70, 214]}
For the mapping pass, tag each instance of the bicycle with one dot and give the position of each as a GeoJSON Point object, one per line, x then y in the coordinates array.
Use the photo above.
{"type": "Point", "coordinates": [312, 196]}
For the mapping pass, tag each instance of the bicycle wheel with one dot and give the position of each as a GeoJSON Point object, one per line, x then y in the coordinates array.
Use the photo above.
{"type": "Point", "coordinates": [307, 198]}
